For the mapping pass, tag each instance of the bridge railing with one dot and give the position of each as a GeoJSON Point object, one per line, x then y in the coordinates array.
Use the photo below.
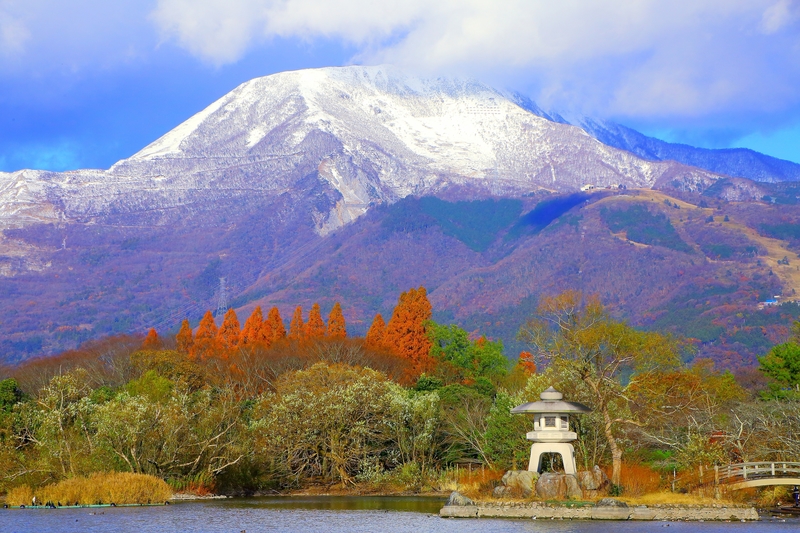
{"type": "Point", "coordinates": [748, 471]}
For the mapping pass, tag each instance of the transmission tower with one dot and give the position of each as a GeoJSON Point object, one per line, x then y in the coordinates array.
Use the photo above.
{"type": "Point", "coordinates": [222, 300]}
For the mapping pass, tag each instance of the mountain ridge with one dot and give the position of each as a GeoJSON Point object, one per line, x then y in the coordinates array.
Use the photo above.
{"type": "Point", "coordinates": [264, 182]}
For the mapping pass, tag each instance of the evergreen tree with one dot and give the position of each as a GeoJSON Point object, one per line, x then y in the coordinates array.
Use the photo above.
{"type": "Point", "coordinates": [337, 329]}
{"type": "Point", "coordinates": [296, 326]}
{"type": "Point", "coordinates": [377, 332]}
{"type": "Point", "coordinates": [205, 340]}
{"type": "Point", "coordinates": [315, 327]}
{"type": "Point", "coordinates": [782, 365]}
{"type": "Point", "coordinates": [229, 334]}
{"type": "Point", "coordinates": [406, 335]}
{"type": "Point", "coordinates": [184, 338]}
{"type": "Point", "coordinates": [274, 327]}
{"type": "Point", "coordinates": [152, 342]}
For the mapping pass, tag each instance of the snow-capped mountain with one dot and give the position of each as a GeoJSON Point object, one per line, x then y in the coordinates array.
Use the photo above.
{"type": "Point", "coordinates": [253, 188]}
{"type": "Point", "coordinates": [737, 162]}
{"type": "Point", "coordinates": [364, 135]}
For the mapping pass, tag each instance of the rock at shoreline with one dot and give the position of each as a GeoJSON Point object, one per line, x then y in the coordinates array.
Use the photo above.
{"type": "Point", "coordinates": [516, 483]}
{"type": "Point", "coordinates": [610, 502]}
{"type": "Point", "coordinates": [553, 486]}
{"type": "Point", "coordinates": [459, 500]}
{"type": "Point", "coordinates": [594, 479]}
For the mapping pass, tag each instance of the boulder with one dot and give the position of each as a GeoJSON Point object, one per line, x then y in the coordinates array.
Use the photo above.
{"type": "Point", "coordinates": [555, 486]}
{"type": "Point", "coordinates": [574, 491]}
{"type": "Point", "coordinates": [610, 502]}
{"type": "Point", "coordinates": [593, 481]}
{"type": "Point", "coordinates": [458, 499]}
{"type": "Point", "coordinates": [519, 483]}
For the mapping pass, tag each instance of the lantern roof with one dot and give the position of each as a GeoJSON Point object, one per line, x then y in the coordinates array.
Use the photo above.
{"type": "Point", "coordinates": [551, 402]}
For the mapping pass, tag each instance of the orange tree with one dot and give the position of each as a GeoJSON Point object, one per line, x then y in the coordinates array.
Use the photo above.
{"type": "Point", "coordinates": [406, 334]}
{"type": "Point", "coordinates": [578, 337]}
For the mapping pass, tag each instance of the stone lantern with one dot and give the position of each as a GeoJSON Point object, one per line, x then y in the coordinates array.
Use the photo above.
{"type": "Point", "coordinates": [551, 432]}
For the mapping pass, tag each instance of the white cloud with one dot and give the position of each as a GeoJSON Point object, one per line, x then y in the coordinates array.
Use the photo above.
{"type": "Point", "coordinates": [221, 32]}
{"type": "Point", "coordinates": [621, 57]}
{"type": "Point", "coordinates": [779, 15]}
{"type": "Point", "coordinates": [13, 35]}
{"type": "Point", "coordinates": [46, 35]}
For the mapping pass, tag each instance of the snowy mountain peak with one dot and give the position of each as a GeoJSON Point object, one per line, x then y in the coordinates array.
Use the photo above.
{"type": "Point", "coordinates": [350, 137]}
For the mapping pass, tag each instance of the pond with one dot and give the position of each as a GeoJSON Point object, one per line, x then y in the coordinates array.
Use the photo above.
{"type": "Point", "coordinates": [324, 514]}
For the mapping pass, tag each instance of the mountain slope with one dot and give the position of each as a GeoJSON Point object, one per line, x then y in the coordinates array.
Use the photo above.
{"type": "Point", "coordinates": [705, 282]}
{"type": "Point", "coordinates": [737, 162]}
{"type": "Point", "coordinates": [258, 187]}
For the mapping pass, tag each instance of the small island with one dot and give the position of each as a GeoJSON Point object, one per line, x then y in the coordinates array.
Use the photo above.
{"type": "Point", "coordinates": [560, 495]}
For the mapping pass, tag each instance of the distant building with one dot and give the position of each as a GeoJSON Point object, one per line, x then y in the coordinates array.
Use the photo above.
{"type": "Point", "coordinates": [768, 303]}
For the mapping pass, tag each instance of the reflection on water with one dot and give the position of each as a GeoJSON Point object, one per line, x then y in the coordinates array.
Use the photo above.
{"type": "Point", "coordinates": [321, 514]}
{"type": "Point", "coordinates": [416, 504]}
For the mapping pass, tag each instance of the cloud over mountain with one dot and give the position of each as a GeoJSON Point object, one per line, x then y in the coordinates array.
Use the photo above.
{"type": "Point", "coordinates": [644, 58]}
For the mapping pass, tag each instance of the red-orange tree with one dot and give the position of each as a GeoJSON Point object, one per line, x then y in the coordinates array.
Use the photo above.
{"type": "Point", "coordinates": [315, 327]}
{"type": "Point", "coordinates": [184, 338]}
{"type": "Point", "coordinates": [406, 334]}
{"type": "Point", "coordinates": [296, 326]}
{"type": "Point", "coordinates": [275, 330]}
{"type": "Point", "coordinates": [152, 342]}
{"type": "Point", "coordinates": [377, 332]}
{"type": "Point", "coordinates": [205, 340]}
{"type": "Point", "coordinates": [337, 329]}
{"type": "Point", "coordinates": [229, 333]}
{"type": "Point", "coordinates": [255, 329]}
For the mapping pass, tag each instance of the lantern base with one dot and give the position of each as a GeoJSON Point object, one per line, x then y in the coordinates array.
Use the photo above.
{"type": "Point", "coordinates": [564, 449]}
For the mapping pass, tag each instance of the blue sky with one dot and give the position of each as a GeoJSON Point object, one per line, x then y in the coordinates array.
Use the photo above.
{"type": "Point", "coordinates": [88, 82]}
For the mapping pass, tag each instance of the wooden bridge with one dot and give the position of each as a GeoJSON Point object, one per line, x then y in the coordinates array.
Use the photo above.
{"type": "Point", "coordinates": [746, 475]}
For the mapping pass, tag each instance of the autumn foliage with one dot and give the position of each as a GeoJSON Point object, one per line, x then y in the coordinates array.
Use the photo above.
{"type": "Point", "coordinates": [256, 330]}
{"type": "Point", "coordinates": [527, 362]}
{"type": "Point", "coordinates": [151, 341]}
{"type": "Point", "coordinates": [377, 331]}
{"type": "Point", "coordinates": [315, 327]}
{"type": "Point", "coordinates": [250, 406]}
{"type": "Point", "coordinates": [337, 329]}
{"type": "Point", "coordinates": [274, 325]}
{"type": "Point", "coordinates": [296, 326]}
{"type": "Point", "coordinates": [405, 332]}
{"type": "Point", "coordinates": [184, 338]}
{"type": "Point", "coordinates": [205, 340]}
{"type": "Point", "coordinates": [229, 334]}
{"type": "Point", "coordinates": [260, 350]}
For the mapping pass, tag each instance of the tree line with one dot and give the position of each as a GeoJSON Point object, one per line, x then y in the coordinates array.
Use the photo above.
{"type": "Point", "coordinates": [256, 407]}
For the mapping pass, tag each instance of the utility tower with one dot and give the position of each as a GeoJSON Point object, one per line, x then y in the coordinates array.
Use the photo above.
{"type": "Point", "coordinates": [222, 299]}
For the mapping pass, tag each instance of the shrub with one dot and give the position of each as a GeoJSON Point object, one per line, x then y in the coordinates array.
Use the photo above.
{"type": "Point", "coordinates": [99, 488]}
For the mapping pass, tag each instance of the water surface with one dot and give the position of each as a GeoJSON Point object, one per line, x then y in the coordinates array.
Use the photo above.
{"type": "Point", "coordinates": [328, 515]}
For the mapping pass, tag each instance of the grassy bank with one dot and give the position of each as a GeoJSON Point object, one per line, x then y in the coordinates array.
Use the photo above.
{"type": "Point", "coordinates": [101, 488]}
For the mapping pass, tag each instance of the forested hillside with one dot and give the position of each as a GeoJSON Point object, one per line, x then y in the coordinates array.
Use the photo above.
{"type": "Point", "coordinates": [696, 265]}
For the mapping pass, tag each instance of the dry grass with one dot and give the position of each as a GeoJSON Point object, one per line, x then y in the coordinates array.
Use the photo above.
{"type": "Point", "coordinates": [638, 479]}
{"type": "Point", "coordinates": [476, 483]}
{"type": "Point", "coordinates": [101, 488]}
{"type": "Point", "coordinates": [673, 498]}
